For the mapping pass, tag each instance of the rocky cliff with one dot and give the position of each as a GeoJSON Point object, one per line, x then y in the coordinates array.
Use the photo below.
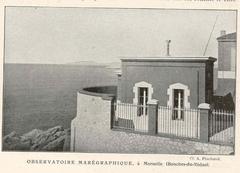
{"type": "Point", "coordinates": [53, 139]}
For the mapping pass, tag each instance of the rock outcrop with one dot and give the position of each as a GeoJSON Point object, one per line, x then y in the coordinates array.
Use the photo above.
{"type": "Point", "coordinates": [53, 139]}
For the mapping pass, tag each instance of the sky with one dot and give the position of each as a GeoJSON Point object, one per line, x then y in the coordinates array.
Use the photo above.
{"type": "Point", "coordinates": [66, 35]}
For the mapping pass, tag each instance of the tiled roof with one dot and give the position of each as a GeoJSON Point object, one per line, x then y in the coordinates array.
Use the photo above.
{"type": "Point", "coordinates": [231, 36]}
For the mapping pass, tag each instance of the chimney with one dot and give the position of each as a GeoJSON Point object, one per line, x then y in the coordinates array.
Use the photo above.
{"type": "Point", "coordinates": [168, 47]}
{"type": "Point", "coordinates": [222, 32]}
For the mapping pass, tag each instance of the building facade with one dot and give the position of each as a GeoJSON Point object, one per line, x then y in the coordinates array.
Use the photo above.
{"type": "Point", "coordinates": [179, 82]}
{"type": "Point", "coordinates": [226, 64]}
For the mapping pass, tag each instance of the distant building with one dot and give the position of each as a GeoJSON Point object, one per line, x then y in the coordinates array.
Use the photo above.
{"type": "Point", "coordinates": [226, 64]}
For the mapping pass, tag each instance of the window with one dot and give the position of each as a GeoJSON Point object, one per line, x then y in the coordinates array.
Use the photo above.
{"type": "Point", "coordinates": [178, 100]}
{"type": "Point", "coordinates": [233, 59]}
{"type": "Point", "coordinates": [178, 104]}
{"type": "Point", "coordinates": [142, 101]}
{"type": "Point", "coordinates": [142, 94]}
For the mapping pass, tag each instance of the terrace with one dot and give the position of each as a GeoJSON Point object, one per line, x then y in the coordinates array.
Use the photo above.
{"type": "Point", "coordinates": [202, 124]}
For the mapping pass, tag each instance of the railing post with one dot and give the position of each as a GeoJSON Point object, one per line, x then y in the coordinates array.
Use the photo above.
{"type": "Point", "coordinates": [112, 112]}
{"type": "Point", "coordinates": [204, 121]}
{"type": "Point", "coordinates": [152, 116]}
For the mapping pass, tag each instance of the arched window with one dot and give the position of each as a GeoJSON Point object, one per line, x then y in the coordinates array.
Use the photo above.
{"type": "Point", "coordinates": [139, 85]}
{"type": "Point", "coordinates": [178, 99]}
{"type": "Point", "coordinates": [142, 94]}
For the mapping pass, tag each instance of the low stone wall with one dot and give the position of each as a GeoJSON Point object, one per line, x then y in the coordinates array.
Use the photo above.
{"type": "Point", "coordinates": [93, 118]}
{"type": "Point", "coordinates": [102, 90]}
{"type": "Point", "coordinates": [91, 132]}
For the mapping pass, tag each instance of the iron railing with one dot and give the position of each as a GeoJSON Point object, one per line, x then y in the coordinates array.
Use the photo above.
{"type": "Point", "coordinates": [221, 126]}
{"type": "Point", "coordinates": [179, 122]}
{"type": "Point", "coordinates": [131, 117]}
{"type": "Point", "coordinates": [175, 122]}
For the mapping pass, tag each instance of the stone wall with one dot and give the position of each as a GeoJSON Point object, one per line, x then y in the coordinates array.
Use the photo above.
{"type": "Point", "coordinates": [91, 132]}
